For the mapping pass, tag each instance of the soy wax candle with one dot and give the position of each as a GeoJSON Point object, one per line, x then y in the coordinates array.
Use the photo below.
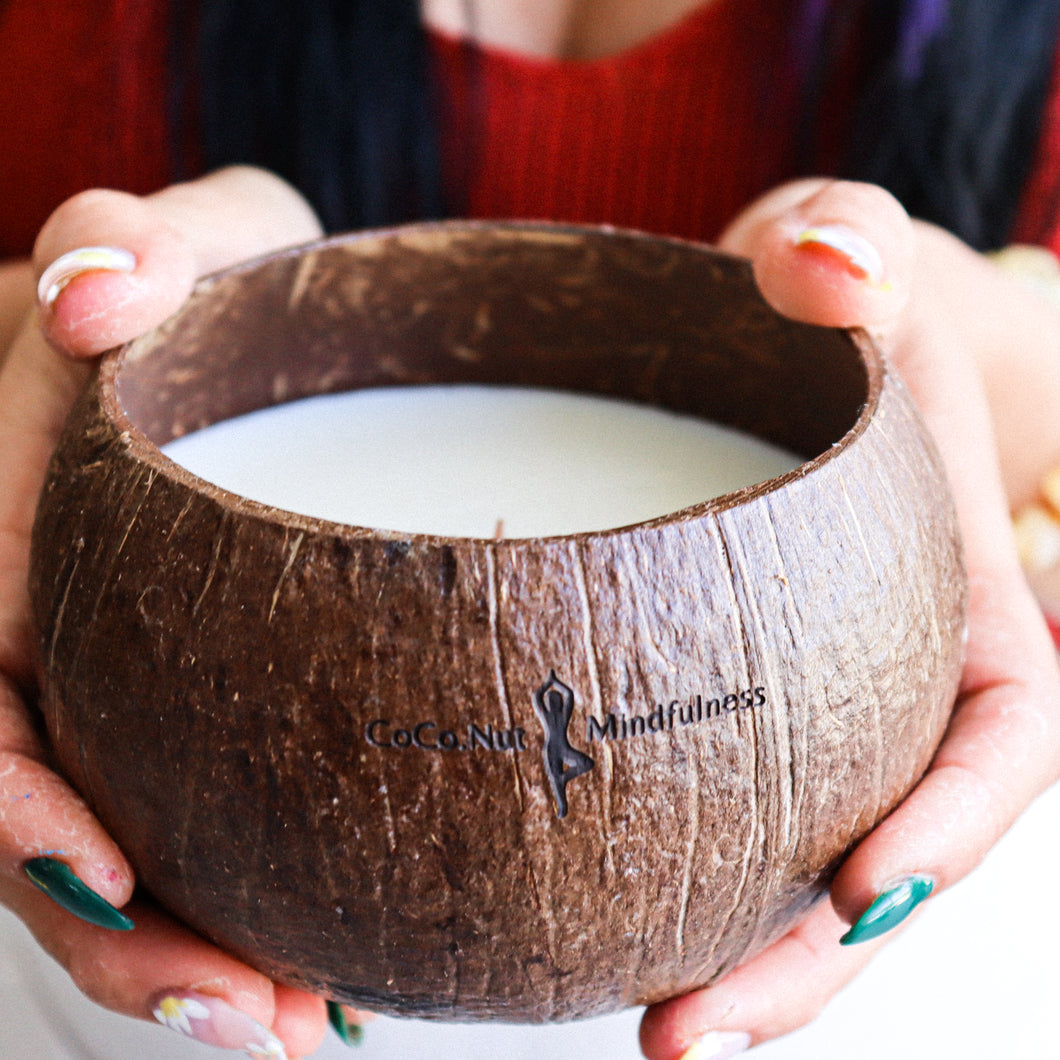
{"type": "Point", "coordinates": [468, 461]}
{"type": "Point", "coordinates": [524, 772]}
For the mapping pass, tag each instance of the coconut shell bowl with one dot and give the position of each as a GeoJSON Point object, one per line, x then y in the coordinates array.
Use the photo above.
{"type": "Point", "coordinates": [530, 779]}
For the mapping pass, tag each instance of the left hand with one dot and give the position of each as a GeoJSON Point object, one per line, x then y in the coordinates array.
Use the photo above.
{"type": "Point", "coordinates": [162, 969]}
{"type": "Point", "coordinates": [980, 355]}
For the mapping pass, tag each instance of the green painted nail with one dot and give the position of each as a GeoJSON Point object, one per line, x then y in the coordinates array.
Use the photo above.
{"type": "Point", "coordinates": [889, 909]}
{"type": "Point", "coordinates": [350, 1033]}
{"type": "Point", "coordinates": [58, 881]}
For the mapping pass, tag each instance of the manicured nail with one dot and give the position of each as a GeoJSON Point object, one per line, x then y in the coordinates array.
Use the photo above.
{"type": "Point", "coordinates": [718, 1045]}
{"type": "Point", "coordinates": [350, 1033]}
{"type": "Point", "coordinates": [58, 881]}
{"type": "Point", "coordinates": [73, 263]}
{"type": "Point", "coordinates": [889, 909]}
{"type": "Point", "coordinates": [861, 258]}
{"type": "Point", "coordinates": [211, 1021]}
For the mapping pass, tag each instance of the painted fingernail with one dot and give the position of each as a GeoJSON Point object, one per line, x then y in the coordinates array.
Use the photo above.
{"type": "Point", "coordinates": [889, 909]}
{"type": "Point", "coordinates": [860, 257]}
{"type": "Point", "coordinates": [59, 882]}
{"type": "Point", "coordinates": [211, 1021]}
{"type": "Point", "coordinates": [718, 1045]}
{"type": "Point", "coordinates": [350, 1033]}
{"type": "Point", "coordinates": [75, 262]}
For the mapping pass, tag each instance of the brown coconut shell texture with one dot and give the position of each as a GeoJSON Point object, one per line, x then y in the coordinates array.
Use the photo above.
{"type": "Point", "coordinates": [212, 667]}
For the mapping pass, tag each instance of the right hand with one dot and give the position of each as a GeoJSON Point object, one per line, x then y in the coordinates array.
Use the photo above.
{"type": "Point", "coordinates": [979, 357]}
{"type": "Point", "coordinates": [170, 238]}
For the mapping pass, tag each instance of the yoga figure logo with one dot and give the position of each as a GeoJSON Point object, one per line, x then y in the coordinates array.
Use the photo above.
{"type": "Point", "coordinates": [554, 703]}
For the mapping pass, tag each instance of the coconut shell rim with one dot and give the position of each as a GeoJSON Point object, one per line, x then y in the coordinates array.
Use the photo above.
{"type": "Point", "coordinates": [150, 455]}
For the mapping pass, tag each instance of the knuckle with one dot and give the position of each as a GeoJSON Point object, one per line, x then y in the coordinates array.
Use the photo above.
{"type": "Point", "coordinates": [812, 999]}
{"type": "Point", "coordinates": [92, 970]}
{"type": "Point", "coordinates": [74, 221]}
{"type": "Point", "coordinates": [796, 1015]}
{"type": "Point", "coordinates": [862, 195]}
{"type": "Point", "coordinates": [92, 201]}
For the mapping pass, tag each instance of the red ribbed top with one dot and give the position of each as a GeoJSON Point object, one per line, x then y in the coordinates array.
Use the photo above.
{"type": "Point", "coordinates": [672, 136]}
{"type": "Point", "coordinates": [1039, 213]}
{"type": "Point", "coordinates": [82, 104]}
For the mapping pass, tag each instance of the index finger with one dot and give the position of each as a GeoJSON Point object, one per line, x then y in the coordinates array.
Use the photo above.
{"type": "Point", "coordinates": [40, 814]}
{"type": "Point", "coordinates": [144, 254]}
{"type": "Point", "coordinates": [1002, 748]}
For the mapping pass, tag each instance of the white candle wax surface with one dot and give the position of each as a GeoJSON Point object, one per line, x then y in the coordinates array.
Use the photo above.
{"type": "Point", "coordinates": [476, 461]}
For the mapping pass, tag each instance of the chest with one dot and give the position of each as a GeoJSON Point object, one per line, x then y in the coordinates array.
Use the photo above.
{"type": "Point", "coordinates": [558, 29]}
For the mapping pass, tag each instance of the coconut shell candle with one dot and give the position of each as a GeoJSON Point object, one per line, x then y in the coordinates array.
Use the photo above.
{"type": "Point", "coordinates": [464, 777]}
{"type": "Point", "coordinates": [476, 461]}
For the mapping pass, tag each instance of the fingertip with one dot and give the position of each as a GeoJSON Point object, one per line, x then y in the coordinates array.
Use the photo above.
{"type": "Point", "coordinates": [840, 254]}
{"type": "Point", "coordinates": [683, 1029]}
{"type": "Point", "coordinates": [831, 275]}
{"type": "Point", "coordinates": [102, 308]}
{"type": "Point", "coordinates": [882, 868]}
{"type": "Point", "coordinates": [662, 1035]}
{"type": "Point", "coordinates": [46, 819]}
{"type": "Point", "coordinates": [89, 879]}
{"type": "Point", "coordinates": [889, 908]}
{"type": "Point", "coordinates": [54, 279]}
{"type": "Point", "coordinates": [53, 877]}
{"type": "Point", "coordinates": [301, 1020]}
{"type": "Point", "coordinates": [110, 875]}
{"type": "Point", "coordinates": [846, 248]}
{"type": "Point", "coordinates": [109, 268]}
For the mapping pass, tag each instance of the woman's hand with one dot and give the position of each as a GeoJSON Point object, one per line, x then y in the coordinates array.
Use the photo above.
{"type": "Point", "coordinates": [109, 266]}
{"type": "Point", "coordinates": [981, 356]}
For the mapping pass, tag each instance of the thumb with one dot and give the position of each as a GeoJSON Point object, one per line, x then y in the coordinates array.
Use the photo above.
{"type": "Point", "coordinates": [828, 252]}
{"type": "Point", "coordinates": [110, 265]}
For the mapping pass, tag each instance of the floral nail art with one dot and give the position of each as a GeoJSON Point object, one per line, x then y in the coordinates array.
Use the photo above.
{"type": "Point", "coordinates": [212, 1021]}
{"type": "Point", "coordinates": [176, 1013]}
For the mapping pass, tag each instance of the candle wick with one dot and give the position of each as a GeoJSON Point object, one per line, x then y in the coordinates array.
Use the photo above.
{"type": "Point", "coordinates": [498, 530]}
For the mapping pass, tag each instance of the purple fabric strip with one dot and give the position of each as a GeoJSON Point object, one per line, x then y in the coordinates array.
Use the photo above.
{"type": "Point", "coordinates": [922, 21]}
{"type": "Point", "coordinates": [809, 30]}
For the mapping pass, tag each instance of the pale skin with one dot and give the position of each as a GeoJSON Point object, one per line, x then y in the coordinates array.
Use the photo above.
{"type": "Point", "coordinates": [981, 355]}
